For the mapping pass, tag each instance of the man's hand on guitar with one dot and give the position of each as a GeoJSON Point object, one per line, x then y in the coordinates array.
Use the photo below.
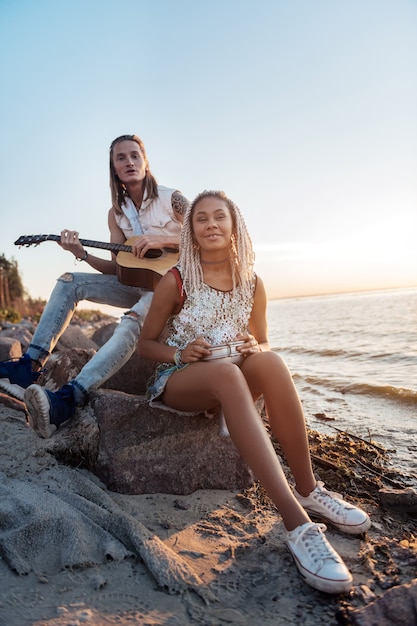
{"type": "Point", "coordinates": [70, 241]}
{"type": "Point", "coordinates": [143, 243]}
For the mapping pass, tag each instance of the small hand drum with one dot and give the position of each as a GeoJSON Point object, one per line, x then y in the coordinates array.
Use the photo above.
{"type": "Point", "coordinates": [226, 351]}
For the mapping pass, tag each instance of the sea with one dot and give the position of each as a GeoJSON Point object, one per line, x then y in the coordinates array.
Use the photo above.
{"type": "Point", "coordinates": [353, 358]}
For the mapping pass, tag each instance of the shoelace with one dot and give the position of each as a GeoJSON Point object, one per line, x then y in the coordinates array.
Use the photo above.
{"type": "Point", "coordinates": [318, 550]}
{"type": "Point", "coordinates": [330, 499]}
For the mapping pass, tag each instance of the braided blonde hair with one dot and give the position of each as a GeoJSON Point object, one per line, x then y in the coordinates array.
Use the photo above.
{"type": "Point", "coordinates": [241, 251]}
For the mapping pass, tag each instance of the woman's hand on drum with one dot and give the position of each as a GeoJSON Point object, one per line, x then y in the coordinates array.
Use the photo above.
{"type": "Point", "coordinates": [195, 350]}
{"type": "Point", "coordinates": [250, 346]}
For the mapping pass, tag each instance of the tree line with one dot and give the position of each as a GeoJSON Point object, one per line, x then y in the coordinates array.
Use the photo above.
{"type": "Point", "coordinates": [11, 287]}
{"type": "Point", "coordinates": [14, 302]}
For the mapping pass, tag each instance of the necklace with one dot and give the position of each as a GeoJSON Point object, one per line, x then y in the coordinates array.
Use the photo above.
{"type": "Point", "coordinates": [215, 262]}
{"type": "Point", "coordinates": [137, 205]}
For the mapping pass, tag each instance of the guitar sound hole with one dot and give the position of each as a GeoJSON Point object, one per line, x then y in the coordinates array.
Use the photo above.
{"type": "Point", "coordinates": [153, 253]}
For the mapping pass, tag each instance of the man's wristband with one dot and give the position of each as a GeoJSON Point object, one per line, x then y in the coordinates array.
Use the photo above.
{"type": "Point", "coordinates": [84, 257]}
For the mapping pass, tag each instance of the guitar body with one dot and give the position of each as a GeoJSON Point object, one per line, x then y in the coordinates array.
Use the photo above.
{"type": "Point", "coordinates": [145, 272]}
{"type": "Point", "coordinates": [147, 279]}
{"type": "Point", "coordinates": [132, 271]}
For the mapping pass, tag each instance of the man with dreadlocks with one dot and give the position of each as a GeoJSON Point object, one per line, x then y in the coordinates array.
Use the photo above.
{"type": "Point", "coordinates": [212, 302]}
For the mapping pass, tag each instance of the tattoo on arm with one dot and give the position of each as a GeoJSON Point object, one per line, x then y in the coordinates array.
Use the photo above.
{"type": "Point", "coordinates": [179, 202]}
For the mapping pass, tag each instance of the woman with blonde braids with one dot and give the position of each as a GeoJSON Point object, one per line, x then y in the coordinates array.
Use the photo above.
{"type": "Point", "coordinates": [214, 297]}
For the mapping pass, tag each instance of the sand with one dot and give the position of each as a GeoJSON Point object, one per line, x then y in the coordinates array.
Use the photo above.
{"type": "Point", "coordinates": [233, 541]}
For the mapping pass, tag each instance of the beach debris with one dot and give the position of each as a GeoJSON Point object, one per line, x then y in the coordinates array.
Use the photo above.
{"type": "Point", "coordinates": [401, 499]}
{"type": "Point", "coordinates": [398, 605]}
{"type": "Point", "coordinates": [324, 417]}
{"type": "Point", "coordinates": [351, 465]}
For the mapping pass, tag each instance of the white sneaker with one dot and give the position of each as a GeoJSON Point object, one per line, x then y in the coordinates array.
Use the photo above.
{"type": "Point", "coordinates": [332, 508]}
{"type": "Point", "coordinates": [316, 560]}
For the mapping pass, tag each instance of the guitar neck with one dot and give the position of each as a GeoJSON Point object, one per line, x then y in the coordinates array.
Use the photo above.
{"type": "Point", "coordinates": [113, 247]}
{"type": "Point", "coordinates": [89, 243]}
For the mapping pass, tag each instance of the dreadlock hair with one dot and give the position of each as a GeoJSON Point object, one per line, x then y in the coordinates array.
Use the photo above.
{"type": "Point", "coordinates": [118, 189]}
{"type": "Point", "coordinates": [241, 252]}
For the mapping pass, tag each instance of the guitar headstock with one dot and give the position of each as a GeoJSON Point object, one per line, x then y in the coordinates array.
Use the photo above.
{"type": "Point", "coordinates": [34, 240]}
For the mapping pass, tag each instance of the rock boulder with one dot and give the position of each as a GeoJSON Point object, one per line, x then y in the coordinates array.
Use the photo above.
{"type": "Point", "coordinates": [134, 448]}
{"type": "Point", "coordinates": [148, 450]}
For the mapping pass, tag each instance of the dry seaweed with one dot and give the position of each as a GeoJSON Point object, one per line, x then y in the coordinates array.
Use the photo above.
{"type": "Point", "coordinates": [351, 466]}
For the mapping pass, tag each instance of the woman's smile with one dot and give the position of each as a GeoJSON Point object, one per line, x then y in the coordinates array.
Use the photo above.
{"type": "Point", "coordinates": [213, 235]}
{"type": "Point", "coordinates": [212, 222]}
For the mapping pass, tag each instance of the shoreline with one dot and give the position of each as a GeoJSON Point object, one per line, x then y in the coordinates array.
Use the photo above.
{"type": "Point", "coordinates": [233, 541]}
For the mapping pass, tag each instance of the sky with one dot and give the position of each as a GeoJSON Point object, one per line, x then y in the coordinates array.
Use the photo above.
{"type": "Point", "coordinates": [302, 111]}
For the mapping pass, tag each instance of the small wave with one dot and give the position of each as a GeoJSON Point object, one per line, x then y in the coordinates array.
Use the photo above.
{"type": "Point", "coordinates": [353, 355]}
{"type": "Point", "coordinates": [345, 354]}
{"type": "Point", "coordinates": [399, 394]}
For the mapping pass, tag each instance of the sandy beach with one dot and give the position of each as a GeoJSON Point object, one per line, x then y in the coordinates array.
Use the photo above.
{"type": "Point", "coordinates": [232, 542]}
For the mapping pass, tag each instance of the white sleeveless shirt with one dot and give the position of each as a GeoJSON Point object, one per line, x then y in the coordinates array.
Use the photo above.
{"type": "Point", "coordinates": [155, 216]}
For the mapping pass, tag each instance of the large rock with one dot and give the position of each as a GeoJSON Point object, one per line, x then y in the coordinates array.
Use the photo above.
{"type": "Point", "coordinates": [102, 334]}
{"type": "Point", "coordinates": [146, 450]}
{"type": "Point", "coordinates": [20, 332]}
{"type": "Point", "coordinates": [398, 605]}
{"type": "Point", "coordinates": [136, 449]}
{"type": "Point", "coordinates": [400, 499]}
{"type": "Point", "coordinates": [10, 348]}
{"type": "Point", "coordinates": [74, 337]}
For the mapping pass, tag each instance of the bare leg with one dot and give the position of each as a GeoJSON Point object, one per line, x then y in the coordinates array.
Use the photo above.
{"type": "Point", "coordinates": [266, 373]}
{"type": "Point", "coordinates": [203, 385]}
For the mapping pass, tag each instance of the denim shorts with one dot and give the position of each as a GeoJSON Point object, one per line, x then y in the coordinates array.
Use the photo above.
{"type": "Point", "coordinates": [157, 388]}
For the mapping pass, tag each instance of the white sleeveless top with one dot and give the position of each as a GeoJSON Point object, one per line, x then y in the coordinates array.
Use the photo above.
{"type": "Point", "coordinates": [155, 216]}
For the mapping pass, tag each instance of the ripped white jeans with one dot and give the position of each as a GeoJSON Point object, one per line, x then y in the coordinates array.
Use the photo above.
{"type": "Point", "coordinates": [74, 287]}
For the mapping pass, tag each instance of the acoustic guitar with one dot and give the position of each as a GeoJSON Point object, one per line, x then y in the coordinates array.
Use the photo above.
{"type": "Point", "coordinates": [145, 272]}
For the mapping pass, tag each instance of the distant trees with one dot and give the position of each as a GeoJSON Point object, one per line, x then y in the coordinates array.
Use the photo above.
{"type": "Point", "coordinates": [11, 287]}
{"type": "Point", "coordinates": [15, 302]}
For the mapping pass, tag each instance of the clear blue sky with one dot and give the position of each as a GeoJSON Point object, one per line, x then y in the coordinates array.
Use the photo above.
{"type": "Point", "coordinates": [303, 111]}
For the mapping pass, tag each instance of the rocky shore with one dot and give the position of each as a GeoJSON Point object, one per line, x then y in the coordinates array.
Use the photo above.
{"type": "Point", "coordinates": [77, 548]}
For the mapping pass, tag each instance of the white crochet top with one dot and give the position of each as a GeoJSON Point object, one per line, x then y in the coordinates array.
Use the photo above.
{"type": "Point", "coordinates": [216, 315]}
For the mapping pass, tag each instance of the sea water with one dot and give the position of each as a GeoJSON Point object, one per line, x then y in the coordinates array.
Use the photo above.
{"type": "Point", "coordinates": [353, 358]}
